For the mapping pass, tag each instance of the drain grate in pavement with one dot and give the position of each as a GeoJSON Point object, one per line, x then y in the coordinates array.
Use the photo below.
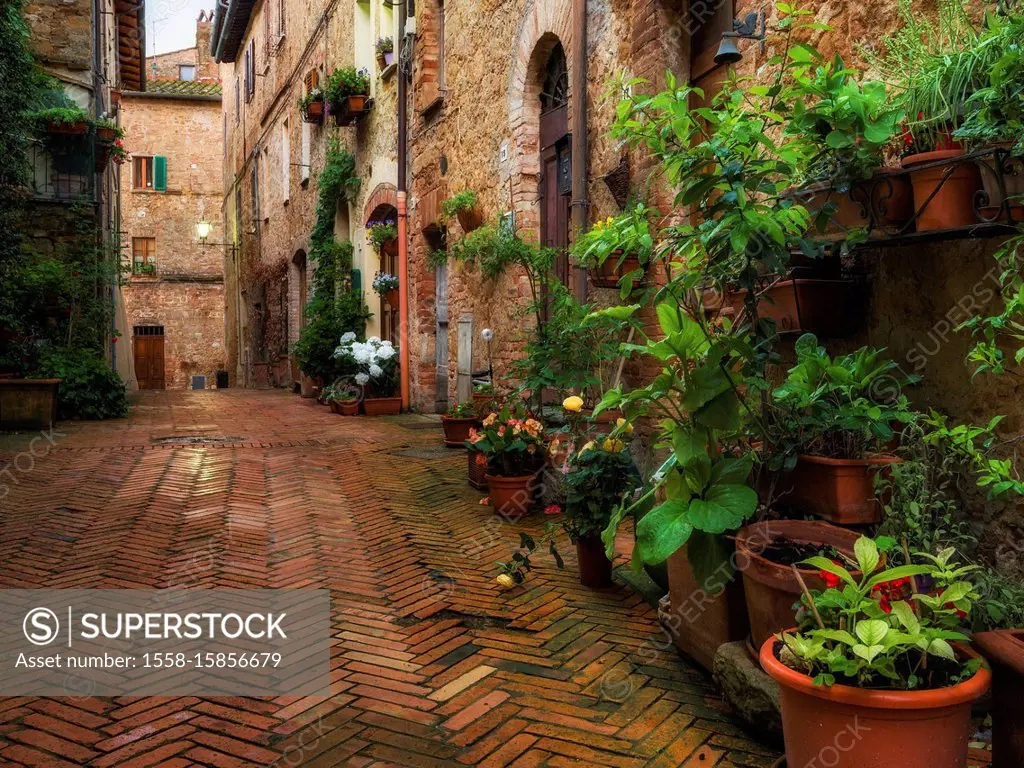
{"type": "Point", "coordinates": [471, 620]}
{"type": "Point", "coordinates": [196, 440]}
{"type": "Point", "coordinates": [440, 452]}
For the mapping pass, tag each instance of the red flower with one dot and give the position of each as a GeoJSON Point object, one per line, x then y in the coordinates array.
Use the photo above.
{"type": "Point", "coordinates": [552, 509]}
{"type": "Point", "coordinates": [883, 603]}
{"type": "Point", "coordinates": [831, 580]}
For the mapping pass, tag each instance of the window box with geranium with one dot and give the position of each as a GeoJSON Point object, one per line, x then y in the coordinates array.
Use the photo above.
{"type": "Point", "coordinates": [375, 363]}
{"type": "Point", "coordinates": [515, 449]}
{"type": "Point", "coordinates": [312, 106]}
{"type": "Point", "coordinates": [876, 657]}
{"type": "Point", "coordinates": [385, 52]}
{"type": "Point", "coordinates": [386, 285]}
{"type": "Point", "coordinates": [348, 92]}
{"type": "Point", "coordinates": [457, 422]}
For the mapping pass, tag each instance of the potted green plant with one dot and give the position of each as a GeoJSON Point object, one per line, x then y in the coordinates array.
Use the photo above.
{"type": "Point", "coordinates": [465, 207]}
{"type": "Point", "coordinates": [386, 285]}
{"type": "Point", "coordinates": [67, 120]}
{"type": "Point", "coordinates": [836, 421]}
{"type": "Point", "coordinates": [108, 144]}
{"type": "Point", "coordinates": [312, 106]}
{"type": "Point", "coordinates": [347, 91]}
{"type": "Point", "coordinates": [375, 363]}
{"type": "Point", "coordinates": [343, 397]}
{"type": "Point", "coordinates": [385, 48]}
{"type": "Point", "coordinates": [617, 249]}
{"type": "Point", "coordinates": [485, 399]}
{"type": "Point", "coordinates": [878, 658]}
{"type": "Point", "coordinates": [383, 236]}
{"type": "Point", "coordinates": [458, 424]}
{"type": "Point", "coordinates": [515, 449]}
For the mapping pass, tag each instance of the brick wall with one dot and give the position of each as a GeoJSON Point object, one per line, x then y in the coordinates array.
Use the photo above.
{"type": "Point", "coordinates": [61, 32]}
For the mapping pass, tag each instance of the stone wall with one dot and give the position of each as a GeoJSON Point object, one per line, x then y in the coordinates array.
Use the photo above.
{"type": "Point", "coordinates": [164, 66]}
{"type": "Point", "coordinates": [186, 296]}
{"type": "Point", "coordinates": [62, 33]}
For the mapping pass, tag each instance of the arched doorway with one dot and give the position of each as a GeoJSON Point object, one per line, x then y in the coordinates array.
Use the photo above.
{"type": "Point", "coordinates": [555, 188]}
{"type": "Point", "coordinates": [388, 314]}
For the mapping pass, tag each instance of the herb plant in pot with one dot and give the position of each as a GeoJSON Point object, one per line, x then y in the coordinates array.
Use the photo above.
{"type": "Point", "coordinates": [386, 285]}
{"type": "Point", "coordinates": [515, 449]}
{"type": "Point", "coordinates": [343, 397]}
{"type": "Point", "coordinates": [835, 425]}
{"type": "Point", "coordinates": [376, 366]}
{"type": "Point", "coordinates": [347, 91]}
{"type": "Point", "coordinates": [458, 424]}
{"type": "Point", "coordinates": [465, 207]}
{"type": "Point", "coordinates": [880, 666]}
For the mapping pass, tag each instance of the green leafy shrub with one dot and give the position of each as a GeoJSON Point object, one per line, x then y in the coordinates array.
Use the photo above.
{"type": "Point", "coordinates": [345, 82]}
{"type": "Point", "coordinates": [462, 201]}
{"type": "Point", "coordinates": [89, 387]}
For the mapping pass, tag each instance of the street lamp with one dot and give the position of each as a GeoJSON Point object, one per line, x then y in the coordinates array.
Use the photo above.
{"type": "Point", "coordinates": [203, 229]}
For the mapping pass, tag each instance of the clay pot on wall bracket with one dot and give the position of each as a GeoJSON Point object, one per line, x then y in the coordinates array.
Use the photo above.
{"type": "Point", "coordinates": [382, 406]}
{"type": "Point", "coordinates": [827, 308]}
{"type": "Point", "coordinates": [470, 218]}
{"type": "Point", "coordinates": [771, 588]}
{"type": "Point", "coordinates": [700, 617]}
{"type": "Point", "coordinates": [456, 430]}
{"type": "Point", "coordinates": [944, 192]}
{"type": "Point", "coordinates": [513, 497]}
{"type": "Point", "coordinates": [1004, 650]}
{"type": "Point", "coordinates": [477, 470]}
{"type": "Point", "coordinates": [595, 567]}
{"type": "Point", "coordinates": [313, 113]}
{"type": "Point", "coordinates": [350, 110]}
{"type": "Point", "coordinates": [392, 297]}
{"type": "Point", "coordinates": [841, 491]}
{"type": "Point", "coordinates": [608, 274]}
{"type": "Point", "coordinates": [864, 727]}
{"type": "Point", "coordinates": [1002, 164]}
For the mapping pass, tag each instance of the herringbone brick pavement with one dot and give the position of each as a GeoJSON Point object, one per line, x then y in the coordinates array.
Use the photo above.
{"type": "Point", "coordinates": [431, 665]}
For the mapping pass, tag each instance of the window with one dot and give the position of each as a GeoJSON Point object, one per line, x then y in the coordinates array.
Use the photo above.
{"type": "Point", "coordinates": [254, 184]}
{"type": "Point", "coordinates": [311, 80]}
{"type": "Point", "coordinates": [238, 102]}
{"type": "Point", "coordinates": [149, 172]}
{"type": "Point", "coordinates": [280, 18]}
{"type": "Point", "coordinates": [143, 255]}
{"type": "Point", "coordinates": [250, 70]}
{"type": "Point", "coordinates": [286, 161]}
{"type": "Point", "coordinates": [304, 161]}
{"type": "Point", "coordinates": [186, 72]}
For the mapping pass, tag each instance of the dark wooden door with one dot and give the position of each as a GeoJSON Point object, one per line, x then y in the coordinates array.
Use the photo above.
{"type": "Point", "coordinates": [556, 186]}
{"type": "Point", "coordinates": [149, 358]}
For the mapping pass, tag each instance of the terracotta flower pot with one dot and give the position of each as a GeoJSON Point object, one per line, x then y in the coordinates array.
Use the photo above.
{"type": "Point", "coordinates": [335, 407]}
{"type": "Point", "coordinates": [314, 112]}
{"type": "Point", "coordinates": [485, 403]}
{"type": "Point", "coordinates": [771, 588]}
{"type": "Point", "coordinates": [849, 213]}
{"type": "Point", "coordinates": [595, 567]}
{"type": "Point", "coordinates": [701, 616]}
{"type": "Point", "coordinates": [847, 727]}
{"type": "Point", "coordinates": [28, 403]}
{"type": "Point", "coordinates": [307, 387]}
{"type": "Point", "coordinates": [477, 470]}
{"type": "Point", "coordinates": [828, 308]}
{"type": "Point", "coordinates": [382, 406]}
{"type": "Point", "coordinates": [1013, 184]}
{"type": "Point", "coordinates": [513, 497]}
{"type": "Point", "coordinates": [944, 193]}
{"type": "Point", "coordinates": [892, 200]}
{"type": "Point", "coordinates": [470, 218]}
{"type": "Point", "coordinates": [392, 298]}
{"type": "Point", "coordinates": [610, 272]}
{"type": "Point", "coordinates": [841, 491]}
{"type": "Point", "coordinates": [349, 408]}
{"type": "Point", "coordinates": [350, 109]}
{"type": "Point", "coordinates": [70, 129]}
{"type": "Point", "coordinates": [1005, 651]}
{"type": "Point", "coordinates": [456, 430]}
{"type": "Point", "coordinates": [106, 135]}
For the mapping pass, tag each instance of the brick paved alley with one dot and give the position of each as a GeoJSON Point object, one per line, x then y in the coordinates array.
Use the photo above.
{"type": "Point", "coordinates": [432, 666]}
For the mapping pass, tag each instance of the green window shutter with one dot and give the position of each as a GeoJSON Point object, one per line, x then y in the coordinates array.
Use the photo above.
{"type": "Point", "coordinates": [357, 281]}
{"type": "Point", "coordinates": [160, 173]}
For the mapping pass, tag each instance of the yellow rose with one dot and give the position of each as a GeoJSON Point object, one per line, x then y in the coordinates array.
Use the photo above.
{"type": "Point", "coordinates": [629, 427]}
{"type": "Point", "coordinates": [505, 581]}
{"type": "Point", "coordinates": [586, 448]}
{"type": "Point", "coordinates": [612, 446]}
{"type": "Point", "coordinates": [573, 403]}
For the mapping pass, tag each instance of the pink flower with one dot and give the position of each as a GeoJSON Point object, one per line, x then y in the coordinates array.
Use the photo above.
{"type": "Point", "coordinates": [485, 501]}
{"type": "Point", "coordinates": [552, 509]}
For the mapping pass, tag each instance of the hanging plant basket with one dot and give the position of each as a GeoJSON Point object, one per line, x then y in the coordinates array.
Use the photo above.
{"type": "Point", "coordinates": [103, 153]}
{"type": "Point", "coordinates": [350, 110]}
{"type": "Point", "coordinates": [470, 218]}
{"type": "Point", "coordinates": [313, 113]}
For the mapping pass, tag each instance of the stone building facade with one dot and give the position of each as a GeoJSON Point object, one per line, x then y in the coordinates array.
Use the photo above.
{"type": "Point", "coordinates": [193, 63]}
{"type": "Point", "coordinates": [174, 283]}
{"type": "Point", "coordinates": [273, 160]}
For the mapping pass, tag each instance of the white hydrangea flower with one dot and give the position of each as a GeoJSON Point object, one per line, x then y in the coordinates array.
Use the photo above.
{"type": "Point", "coordinates": [386, 343]}
{"type": "Point", "coordinates": [362, 379]}
{"type": "Point", "coordinates": [375, 340]}
{"type": "Point", "coordinates": [376, 371]}
{"type": "Point", "coordinates": [348, 337]}
{"type": "Point", "coordinates": [362, 353]}
{"type": "Point", "coordinates": [385, 353]}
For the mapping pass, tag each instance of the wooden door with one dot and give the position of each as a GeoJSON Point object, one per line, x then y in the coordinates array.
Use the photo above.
{"type": "Point", "coordinates": [556, 187]}
{"type": "Point", "coordinates": [148, 345]}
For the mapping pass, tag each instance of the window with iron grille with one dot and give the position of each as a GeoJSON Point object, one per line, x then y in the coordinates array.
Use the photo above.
{"type": "Point", "coordinates": [148, 330]}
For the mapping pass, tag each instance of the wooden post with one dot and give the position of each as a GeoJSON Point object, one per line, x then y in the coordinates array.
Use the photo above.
{"type": "Point", "coordinates": [464, 361]}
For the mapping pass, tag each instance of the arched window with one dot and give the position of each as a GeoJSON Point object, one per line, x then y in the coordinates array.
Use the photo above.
{"type": "Point", "coordinates": [555, 88]}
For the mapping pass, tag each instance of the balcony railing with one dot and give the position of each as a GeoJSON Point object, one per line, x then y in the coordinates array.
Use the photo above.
{"type": "Point", "coordinates": [65, 175]}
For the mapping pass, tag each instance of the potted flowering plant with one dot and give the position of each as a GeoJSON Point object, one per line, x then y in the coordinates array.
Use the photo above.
{"type": "Point", "coordinates": [457, 422]}
{"type": "Point", "coordinates": [878, 656]}
{"type": "Point", "coordinates": [385, 51]}
{"type": "Point", "coordinates": [108, 137]}
{"type": "Point", "coordinates": [347, 91]}
{"type": "Point", "coordinates": [515, 451]}
{"type": "Point", "coordinates": [386, 285]}
{"type": "Point", "coordinates": [118, 152]}
{"type": "Point", "coordinates": [375, 363]}
{"type": "Point", "coordinates": [312, 106]}
{"type": "Point", "coordinates": [618, 248]}
{"type": "Point", "coordinates": [383, 236]}
{"type": "Point", "coordinates": [343, 397]}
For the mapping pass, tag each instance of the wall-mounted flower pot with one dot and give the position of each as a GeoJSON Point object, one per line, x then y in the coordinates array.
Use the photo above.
{"type": "Point", "coordinates": [350, 110]}
{"type": "Point", "coordinates": [392, 297]}
{"type": "Point", "coordinates": [28, 403]}
{"type": "Point", "coordinates": [701, 617]}
{"type": "Point", "coordinates": [608, 274]}
{"type": "Point", "coordinates": [848, 213]}
{"type": "Point", "coordinates": [863, 727]}
{"type": "Point", "coordinates": [1004, 650]}
{"type": "Point", "coordinates": [456, 430]}
{"type": "Point", "coordinates": [595, 567]}
{"type": "Point", "coordinates": [892, 200]}
{"type": "Point", "coordinates": [470, 218]}
{"type": "Point", "coordinates": [477, 470]}
{"type": "Point", "coordinates": [102, 154]}
{"type": "Point", "coordinates": [841, 491]}
{"type": "Point", "coordinates": [1012, 174]}
{"type": "Point", "coordinates": [827, 308]}
{"type": "Point", "coordinates": [944, 193]}
{"type": "Point", "coordinates": [106, 134]}
{"type": "Point", "coordinates": [513, 497]}
{"type": "Point", "coordinates": [771, 588]}
{"type": "Point", "coordinates": [68, 129]}
{"type": "Point", "coordinates": [313, 112]}
{"type": "Point", "coordinates": [382, 406]}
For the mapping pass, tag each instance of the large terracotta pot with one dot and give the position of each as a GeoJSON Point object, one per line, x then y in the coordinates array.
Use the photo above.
{"type": "Point", "coordinates": [477, 470]}
{"type": "Point", "coordinates": [827, 308]}
{"type": "Point", "coordinates": [456, 430]}
{"type": "Point", "coordinates": [841, 491]}
{"type": "Point", "coordinates": [701, 617]}
{"type": "Point", "coordinates": [1013, 184]}
{"type": "Point", "coordinates": [771, 589]}
{"type": "Point", "coordinates": [610, 272]}
{"type": "Point", "coordinates": [513, 497]}
{"type": "Point", "coordinates": [28, 403]}
{"type": "Point", "coordinates": [349, 408]}
{"type": "Point", "coordinates": [382, 406]}
{"type": "Point", "coordinates": [848, 727]}
{"type": "Point", "coordinates": [307, 387]}
{"type": "Point", "coordinates": [944, 193]}
{"type": "Point", "coordinates": [1004, 650]}
{"type": "Point", "coordinates": [595, 567]}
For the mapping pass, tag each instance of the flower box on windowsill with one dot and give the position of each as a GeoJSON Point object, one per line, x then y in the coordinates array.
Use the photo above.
{"type": "Point", "coordinates": [350, 110]}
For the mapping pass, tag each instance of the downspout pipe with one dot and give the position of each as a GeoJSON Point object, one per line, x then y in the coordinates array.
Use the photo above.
{"type": "Point", "coordinates": [580, 150]}
{"type": "Point", "coordinates": [403, 215]}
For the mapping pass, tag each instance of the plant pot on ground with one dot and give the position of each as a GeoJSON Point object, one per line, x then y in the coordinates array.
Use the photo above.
{"type": "Point", "coordinates": [945, 186]}
{"type": "Point", "coordinates": [515, 449]}
{"type": "Point", "coordinates": [513, 497]}
{"type": "Point", "coordinates": [477, 472]}
{"type": "Point", "coordinates": [458, 424]}
{"type": "Point", "coordinates": [349, 407]}
{"type": "Point", "coordinates": [767, 551]}
{"type": "Point", "coordinates": [830, 308]}
{"type": "Point", "coordinates": [595, 567]}
{"type": "Point", "coordinates": [1004, 650]}
{"type": "Point", "coordinates": [382, 406]}
{"type": "Point", "coordinates": [841, 491]}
